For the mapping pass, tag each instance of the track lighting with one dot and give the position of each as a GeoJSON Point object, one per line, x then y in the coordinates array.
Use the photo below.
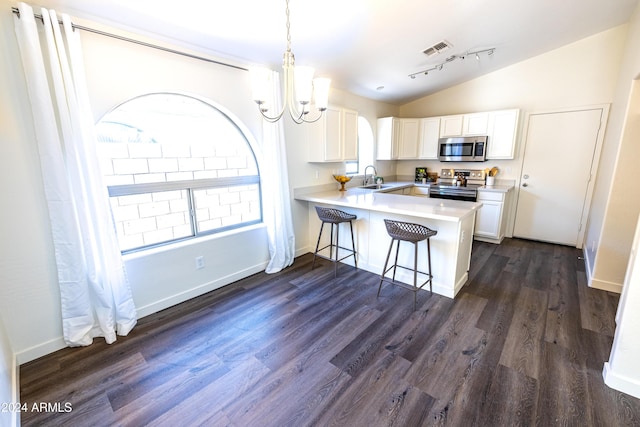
{"type": "Point", "coordinates": [453, 58]}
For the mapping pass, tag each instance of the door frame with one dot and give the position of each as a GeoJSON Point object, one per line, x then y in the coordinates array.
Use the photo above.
{"type": "Point", "coordinates": [586, 208]}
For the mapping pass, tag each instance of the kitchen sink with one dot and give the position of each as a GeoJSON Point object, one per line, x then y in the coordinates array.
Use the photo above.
{"type": "Point", "coordinates": [375, 186]}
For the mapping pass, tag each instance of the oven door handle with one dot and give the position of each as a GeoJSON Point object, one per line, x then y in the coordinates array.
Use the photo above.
{"type": "Point", "coordinates": [470, 193]}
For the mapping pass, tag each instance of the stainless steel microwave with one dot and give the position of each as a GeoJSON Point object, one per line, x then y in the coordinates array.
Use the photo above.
{"type": "Point", "coordinates": [463, 149]}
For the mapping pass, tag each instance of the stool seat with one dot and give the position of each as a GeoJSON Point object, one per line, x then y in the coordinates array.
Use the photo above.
{"type": "Point", "coordinates": [408, 231]}
{"type": "Point", "coordinates": [335, 216]}
{"type": "Point", "coordinates": [413, 233]}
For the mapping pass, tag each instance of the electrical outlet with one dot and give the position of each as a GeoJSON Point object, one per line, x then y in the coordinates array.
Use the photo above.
{"type": "Point", "coordinates": [199, 262]}
{"type": "Point", "coordinates": [317, 174]}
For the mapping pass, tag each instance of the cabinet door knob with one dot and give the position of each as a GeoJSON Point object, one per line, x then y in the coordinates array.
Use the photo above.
{"type": "Point", "coordinates": [525, 185]}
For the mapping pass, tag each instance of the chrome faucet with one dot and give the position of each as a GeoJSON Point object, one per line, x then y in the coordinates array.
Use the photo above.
{"type": "Point", "coordinates": [366, 180]}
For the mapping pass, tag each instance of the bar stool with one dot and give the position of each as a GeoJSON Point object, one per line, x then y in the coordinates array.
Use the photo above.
{"type": "Point", "coordinates": [334, 216]}
{"type": "Point", "coordinates": [407, 232]}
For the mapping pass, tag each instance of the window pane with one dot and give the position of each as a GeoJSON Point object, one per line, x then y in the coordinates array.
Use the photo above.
{"type": "Point", "coordinates": [163, 155]}
{"type": "Point", "coordinates": [151, 218]}
{"type": "Point", "coordinates": [169, 137]}
{"type": "Point", "coordinates": [220, 208]}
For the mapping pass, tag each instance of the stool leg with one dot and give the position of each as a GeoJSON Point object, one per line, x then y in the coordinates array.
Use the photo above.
{"type": "Point", "coordinates": [385, 267]}
{"type": "Point", "coordinates": [335, 264]}
{"type": "Point", "coordinates": [415, 276]}
{"type": "Point", "coordinates": [317, 246]}
{"type": "Point", "coordinates": [353, 245]}
{"type": "Point", "coordinates": [395, 265]}
{"type": "Point", "coordinates": [429, 261]}
{"type": "Point", "coordinates": [331, 243]}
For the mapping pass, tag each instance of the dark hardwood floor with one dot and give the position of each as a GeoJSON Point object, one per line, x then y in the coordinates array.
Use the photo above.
{"type": "Point", "coordinates": [522, 344]}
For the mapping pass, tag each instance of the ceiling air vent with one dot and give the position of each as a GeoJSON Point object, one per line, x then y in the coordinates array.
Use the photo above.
{"type": "Point", "coordinates": [437, 48]}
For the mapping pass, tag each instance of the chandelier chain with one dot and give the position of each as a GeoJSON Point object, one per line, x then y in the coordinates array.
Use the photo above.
{"type": "Point", "coordinates": [288, 28]}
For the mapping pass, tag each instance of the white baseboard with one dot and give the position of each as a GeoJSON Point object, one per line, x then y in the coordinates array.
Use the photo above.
{"type": "Point", "coordinates": [596, 283]}
{"type": "Point", "coordinates": [199, 290]}
{"type": "Point", "coordinates": [40, 350]}
{"type": "Point", "coordinates": [606, 286]}
{"type": "Point", "coordinates": [58, 343]}
{"type": "Point", "coordinates": [619, 382]}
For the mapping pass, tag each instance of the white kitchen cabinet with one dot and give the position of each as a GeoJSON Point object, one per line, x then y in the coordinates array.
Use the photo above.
{"type": "Point", "coordinates": [408, 138]}
{"type": "Point", "coordinates": [419, 191]}
{"type": "Point", "coordinates": [503, 129]}
{"type": "Point", "coordinates": [388, 141]}
{"type": "Point", "coordinates": [333, 138]}
{"type": "Point", "coordinates": [475, 124]}
{"type": "Point", "coordinates": [405, 191]}
{"type": "Point", "coordinates": [491, 219]}
{"type": "Point", "coordinates": [350, 147]}
{"type": "Point", "coordinates": [451, 125]}
{"type": "Point", "coordinates": [464, 125]}
{"type": "Point", "coordinates": [428, 140]}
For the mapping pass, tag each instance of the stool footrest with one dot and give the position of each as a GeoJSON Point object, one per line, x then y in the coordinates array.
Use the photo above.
{"type": "Point", "coordinates": [405, 285]}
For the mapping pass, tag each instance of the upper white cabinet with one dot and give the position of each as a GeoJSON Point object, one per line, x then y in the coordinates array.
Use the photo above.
{"type": "Point", "coordinates": [464, 125]}
{"type": "Point", "coordinates": [503, 129]}
{"type": "Point", "coordinates": [429, 135]}
{"type": "Point", "coordinates": [333, 138]}
{"type": "Point", "coordinates": [408, 139]}
{"type": "Point", "coordinates": [388, 130]}
{"type": "Point", "coordinates": [451, 125]}
{"type": "Point", "coordinates": [475, 124]}
{"type": "Point", "coordinates": [411, 139]}
{"type": "Point", "coordinates": [350, 147]}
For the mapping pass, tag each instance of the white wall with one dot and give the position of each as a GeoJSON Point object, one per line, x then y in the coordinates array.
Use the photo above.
{"type": "Point", "coordinates": [596, 70]}
{"type": "Point", "coordinates": [616, 202]}
{"type": "Point", "coordinates": [579, 74]}
{"type": "Point", "coordinates": [621, 371]}
{"type": "Point", "coordinates": [8, 378]}
{"type": "Point", "coordinates": [303, 174]}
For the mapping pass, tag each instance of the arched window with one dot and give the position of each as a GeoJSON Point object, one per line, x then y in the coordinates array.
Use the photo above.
{"type": "Point", "coordinates": [176, 168]}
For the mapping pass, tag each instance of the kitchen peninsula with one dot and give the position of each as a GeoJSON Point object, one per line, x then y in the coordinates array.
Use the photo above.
{"type": "Point", "coordinates": [450, 248]}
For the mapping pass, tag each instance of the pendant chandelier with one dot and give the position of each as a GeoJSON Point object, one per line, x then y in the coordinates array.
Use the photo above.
{"type": "Point", "coordinates": [299, 85]}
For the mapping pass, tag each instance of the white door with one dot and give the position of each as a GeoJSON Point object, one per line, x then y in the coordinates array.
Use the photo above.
{"type": "Point", "coordinates": [557, 167]}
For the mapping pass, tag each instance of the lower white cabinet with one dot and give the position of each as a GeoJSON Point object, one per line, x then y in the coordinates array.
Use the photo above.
{"type": "Point", "coordinates": [491, 218]}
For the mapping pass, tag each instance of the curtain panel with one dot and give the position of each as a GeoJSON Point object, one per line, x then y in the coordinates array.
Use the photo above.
{"type": "Point", "coordinates": [96, 298]}
{"type": "Point", "coordinates": [276, 198]}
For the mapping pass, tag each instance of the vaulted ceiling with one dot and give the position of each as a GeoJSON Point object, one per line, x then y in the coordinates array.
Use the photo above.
{"type": "Point", "coordinates": [367, 47]}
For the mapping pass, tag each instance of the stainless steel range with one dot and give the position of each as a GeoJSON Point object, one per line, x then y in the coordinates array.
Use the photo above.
{"type": "Point", "coordinates": [458, 184]}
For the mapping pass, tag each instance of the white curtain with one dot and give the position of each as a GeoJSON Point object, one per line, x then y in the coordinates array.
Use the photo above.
{"type": "Point", "coordinates": [95, 295]}
{"type": "Point", "coordinates": [276, 202]}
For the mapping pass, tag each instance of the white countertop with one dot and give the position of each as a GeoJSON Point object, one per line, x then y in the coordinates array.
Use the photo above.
{"type": "Point", "coordinates": [496, 188]}
{"type": "Point", "coordinates": [420, 207]}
